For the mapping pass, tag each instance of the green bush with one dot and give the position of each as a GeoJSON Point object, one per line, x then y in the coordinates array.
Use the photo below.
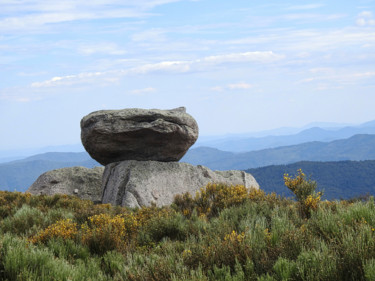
{"type": "Point", "coordinates": [26, 220]}
{"type": "Point", "coordinates": [285, 269]}
{"type": "Point", "coordinates": [221, 234]}
{"type": "Point", "coordinates": [304, 190]}
{"type": "Point", "coordinates": [173, 227]}
{"type": "Point", "coordinates": [369, 269]}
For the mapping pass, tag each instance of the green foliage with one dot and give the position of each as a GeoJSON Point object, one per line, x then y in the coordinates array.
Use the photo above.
{"type": "Point", "coordinates": [284, 269]}
{"type": "Point", "coordinates": [25, 220]}
{"type": "Point", "coordinates": [22, 261]}
{"type": "Point", "coordinates": [214, 198]}
{"type": "Point", "coordinates": [223, 233]}
{"type": "Point", "coordinates": [304, 190]}
{"type": "Point", "coordinates": [369, 269]}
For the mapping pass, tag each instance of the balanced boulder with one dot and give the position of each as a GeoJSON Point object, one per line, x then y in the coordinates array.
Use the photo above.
{"type": "Point", "coordinates": [82, 182]}
{"type": "Point", "coordinates": [141, 183]}
{"type": "Point", "coordinates": [138, 134]}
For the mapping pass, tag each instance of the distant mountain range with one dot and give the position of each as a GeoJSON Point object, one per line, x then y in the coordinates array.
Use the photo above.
{"type": "Point", "coordinates": [12, 155]}
{"type": "Point", "coordinates": [358, 147]}
{"type": "Point", "coordinates": [19, 175]}
{"type": "Point", "coordinates": [339, 180]}
{"type": "Point", "coordinates": [314, 142]}
{"type": "Point", "coordinates": [276, 138]}
{"type": "Point", "coordinates": [244, 142]}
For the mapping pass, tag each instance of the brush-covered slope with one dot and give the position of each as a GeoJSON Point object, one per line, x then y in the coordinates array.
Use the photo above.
{"type": "Point", "coordinates": [358, 147]}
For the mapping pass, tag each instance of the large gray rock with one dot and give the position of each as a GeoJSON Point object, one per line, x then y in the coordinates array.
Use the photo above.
{"type": "Point", "coordinates": [80, 181]}
{"type": "Point", "coordinates": [140, 183]}
{"type": "Point", "coordinates": [138, 134]}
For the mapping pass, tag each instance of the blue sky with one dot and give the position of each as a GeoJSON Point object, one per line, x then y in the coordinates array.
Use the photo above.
{"type": "Point", "coordinates": [238, 66]}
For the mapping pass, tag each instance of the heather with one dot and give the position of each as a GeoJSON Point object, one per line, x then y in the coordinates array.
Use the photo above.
{"type": "Point", "coordinates": [220, 233]}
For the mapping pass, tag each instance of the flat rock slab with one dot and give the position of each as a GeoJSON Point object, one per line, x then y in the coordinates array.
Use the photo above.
{"type": "Point", "coordinates": [83, 182]}
{"type": "Point", "coordinates": [138, 134]}
{"type": "Point", "coordinates": [141, 183]}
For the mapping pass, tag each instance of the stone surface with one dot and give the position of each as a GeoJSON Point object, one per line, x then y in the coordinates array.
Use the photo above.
{"type": "Point", "coordinates": [138, 134]}
{"type": "Point", "coordinates": [82, 182]}
{"type": "Point", "coordinates": [139, 183]}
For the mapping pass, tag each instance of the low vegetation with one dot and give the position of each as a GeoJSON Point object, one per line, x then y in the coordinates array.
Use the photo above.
{"type": "Point", "coordinates": [221, 233]}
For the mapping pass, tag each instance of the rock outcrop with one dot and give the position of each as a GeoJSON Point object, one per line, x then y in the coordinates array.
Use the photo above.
{"type": "Point", "coordinates": [140, 183]}
{"type": "Point", "coordinates": [138, 134]}
{"type": "Point", "coordinates": [83, 182]}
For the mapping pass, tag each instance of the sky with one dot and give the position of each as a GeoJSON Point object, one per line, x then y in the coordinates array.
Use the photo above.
{"type": "Point", "coordinates": [237, 66]}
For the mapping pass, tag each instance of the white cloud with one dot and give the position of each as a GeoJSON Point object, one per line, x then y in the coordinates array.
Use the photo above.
{"type": "Point", "coordinates": [311, 17]}
{"type": "Point", "coordinates": [309, 40]}
{"type": "Point", "coordinates": [322, 70]}
{"type": "Point", "coordinates": [365, 18]}
{"type": "Point", "coordinates": [368, 74]}
{"type": "Point", "coordinates": [68, 80]}
{"type": "Point", "coordinates": [305, 7]}
{"type": "Point", "coordinates": [263, 57]}
{"type": "Point", "coordinates": [101, 48]}
{"type": "Point", "coordinates": [331, 79]}
{"type": "Point", "coordinates": [26, 15]}
{"type": "Point", "coordinates": [165, 66]}
{"type": "Point", "coordinates": [143, 91]}
{"type": "Point", "coordinates": [217, 89]}
{"type": "Point", "coordinates": [361, 22]}
{"type": "Point", "coordinates": [154, 34]}
{"type": "Point", "coordinates": [234, 86]}
{"type": "Point", "coordinates": [240, 86]}
{"type": "Point", "coordinates": [366, 14]}
{"type": "Point", "coordinates": [173, 67]}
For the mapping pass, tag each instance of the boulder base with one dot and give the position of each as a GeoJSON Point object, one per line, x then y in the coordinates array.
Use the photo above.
{"type": "Point", "coordinates": [140, 183]}
{"type": "Point", "coordinates": [82, 182]}
{"type": "Point", "coordinates": [138, 134]}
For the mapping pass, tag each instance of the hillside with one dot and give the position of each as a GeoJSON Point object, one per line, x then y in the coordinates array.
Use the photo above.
{"type": "Point", "coordinates": [339, 180]}
{"type": "Point", "coordinates": [225, 233]}
{"type": "Point", "coordinates": [19, 175]}
{"type": "Point", "coordinates": [358, 147]}
{"type": "Point", "coordinates": [243, 143]}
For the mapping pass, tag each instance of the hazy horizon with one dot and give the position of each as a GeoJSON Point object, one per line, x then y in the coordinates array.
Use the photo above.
{"type": "Point", "coordinates": [202, 139]}
{"type": "Point", "coordinates": [237, 66]}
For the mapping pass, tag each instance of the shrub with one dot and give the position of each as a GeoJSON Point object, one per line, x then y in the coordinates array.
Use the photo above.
{"type": "Point", "coordinates": [113, 264]}
{"type": "Point", "coordinates": [285, 269]}
{"type": "Point", "coordinates": [319, 265]}
{"type": "Point", "coordinates": [22, 261]}
{"type": "Point", "coordinates": [68, 249]}
{"type": "Point", "coordinates": [26, 220]}
{"type": "Point", "coordinates": [369, 269]}
{"type": "Point", "coordinates": [11, 201]}
{"type": "Point", "coordinates": [213, 198]}
{"type": "Point", "coordinates": [173, 226]}
{"type": "Point", "coordinates": [65, 229]}
{"type": "Point", "coordinates": [104, 233]}
{"type": "Point", "coordinates": [226, 234]}
{"type": "Point", "coordinates": [304, 190]}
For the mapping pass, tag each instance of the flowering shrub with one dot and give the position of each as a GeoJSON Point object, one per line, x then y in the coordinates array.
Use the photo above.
{"type": "Point", "coordinates": [234, 237]}
{"type": "Point", "coordinates": [10, 201]}
{"type": "Point", "coordinates": [65, 229]}
{"type": "Point", "coordinates": [103, 233]}
{"type": "Point", "coordinates": [227, 251]}
{"type": "Point", "coordinates": [253, 236]}
{"type": "Point", "coordinates": [213, 198]}
{"type": "Point", "coordinates": [304, 190]}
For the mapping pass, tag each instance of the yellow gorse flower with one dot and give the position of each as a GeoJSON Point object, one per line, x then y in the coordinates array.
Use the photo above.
{"type": "Point", "coordinates": [234, 237]}
{"type": "Point", "coordinates": [65, 229]}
